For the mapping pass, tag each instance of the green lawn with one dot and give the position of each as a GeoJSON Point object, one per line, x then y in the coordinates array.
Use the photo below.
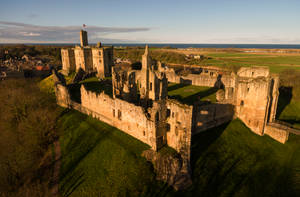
{"type": "Point", "coordinates": [188, 94]}
{"type": "Point", "coordinates": [232, 161]}
{"type": "Point", "coordinates": [231, 54]}
{"type": "Point", "coordinates": [276, 63]}
{"type": "Point", "coordinates": [99, 160]}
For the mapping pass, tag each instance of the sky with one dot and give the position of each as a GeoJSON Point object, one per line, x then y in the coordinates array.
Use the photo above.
{"type": "Point", "coordinates": [151, 21]}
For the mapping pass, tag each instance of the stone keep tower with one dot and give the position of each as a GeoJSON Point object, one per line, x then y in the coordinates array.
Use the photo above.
{"type": "Point", "coordinates": [68, 61]}
{"type": "Point", "coordinates": [256, 97]}
{"type": "Point", "coordinates": [83, 58]}
{"type": "Point", "coordinates": [144, 82]}
{"type": "Point", "coordinates": [83, 38]}
{"type": "Point", "coordinates": [97, 59]}
{"type": "Point", "coordinates": [102, 60]}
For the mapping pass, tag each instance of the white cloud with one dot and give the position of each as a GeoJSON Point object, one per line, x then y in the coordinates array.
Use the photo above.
{"type": "Point", "coordinates": [21, 32]}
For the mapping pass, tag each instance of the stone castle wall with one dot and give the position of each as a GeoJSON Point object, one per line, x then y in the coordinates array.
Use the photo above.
{"type": "Point", "coordinates": [179, 127]}
{"type": "Point", "coordinates": [123, 115]}
{"type": "Point", "coordinates": [277, 132]}
{"type": "Point", "coordinates": [209, 79]}
{"type": "Point", "coordinates": [252, 102]}
{"type": "Point", "coordinates": [211, 115]}
{"type": "Point", "coordinates": [68, 60]}
{"type": "Point", "coordinates": [102, 61]}
{"type": "Point", "coordinates": [274, 94]}
{"type": "Point", "coordinates": [98, 60]}
{"type": "Point", "coordinates": [83, 59]}
{"type": "Point", "coordinates": [62, 95]}
{"type": "Point", "coordinates": [133, 120]}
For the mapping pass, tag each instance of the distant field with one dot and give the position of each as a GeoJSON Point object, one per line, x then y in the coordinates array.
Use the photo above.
{"type": "Point", "coordinates": [277, 62]}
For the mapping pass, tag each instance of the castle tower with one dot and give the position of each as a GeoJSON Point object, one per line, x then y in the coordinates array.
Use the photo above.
{"type": "Point", "coordinates": [68, 61]}
{"type": "Point", "coordinates": [153, 85]}
{"type": "Point", "coordinates": [83, 38]}
{"type": "Point", "coordinates": [144, 86]}
{"type": "Point", "coordinates": [253, 97]}
{"type": "Point", "coordinates": [146, 59]}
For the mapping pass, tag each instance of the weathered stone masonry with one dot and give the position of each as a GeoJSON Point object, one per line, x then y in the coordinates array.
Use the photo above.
{"type": "Point", "coordinates": [251, 95]}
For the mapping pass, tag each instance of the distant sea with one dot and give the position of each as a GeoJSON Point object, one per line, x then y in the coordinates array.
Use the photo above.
{"type": "Point", "coordinates": [242, 46]}
{"type": "Point", "coordinates": [172, 45]}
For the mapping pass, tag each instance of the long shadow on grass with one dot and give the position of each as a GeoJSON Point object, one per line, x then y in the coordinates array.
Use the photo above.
{"type": "Point", "coordinates": [79, 147]}
{"type": "Point", "coordinates": [83, 143]}
{"type": "Point", "coordinates": [190, 100]}
{"type": "Point", "coordinates": [176, 86]}
{"type": "Point", "coordinates": [72, 182]}
{"type": "Point", "coordinates": [195, 97]}
{"type": "Point", "coordinates": [213, 169]}
{"type": "Point", "coordinates": [285, 97]}
{"type": "Point", "coordinates": [201, 142]}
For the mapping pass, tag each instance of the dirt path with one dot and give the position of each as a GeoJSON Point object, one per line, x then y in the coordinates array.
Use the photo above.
{"type": "Point", "coordinates": [55, 178]}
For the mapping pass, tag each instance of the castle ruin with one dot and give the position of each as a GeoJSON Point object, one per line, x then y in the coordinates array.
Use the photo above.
{"type": "Point", "coordinates": [140, 106]}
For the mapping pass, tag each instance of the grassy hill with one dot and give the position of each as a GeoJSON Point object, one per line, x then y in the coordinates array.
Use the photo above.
{"type": "Point", "coordinates": [100, 160]}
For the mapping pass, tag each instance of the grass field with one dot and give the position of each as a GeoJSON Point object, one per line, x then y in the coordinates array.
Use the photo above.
{"type": "Point", "coordinates": [276, 62]}
{"type": "Point", "coordinates": [232, 161]}
{"type": "Point", "coordinates": [188, 94]}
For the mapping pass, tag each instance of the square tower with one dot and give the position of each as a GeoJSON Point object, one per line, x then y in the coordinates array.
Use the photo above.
{"type": "Point", "coordinates": [102, 61]}
{"type": "Point", "coordinates": [83, 58]}
{"type": "Point", "coordinates": [83, 38]}
{"type": "Point", "coordinates": [68, 60]}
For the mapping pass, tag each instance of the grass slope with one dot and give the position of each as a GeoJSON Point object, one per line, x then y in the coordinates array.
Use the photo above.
{"type": "Point", "coordinates": [232, 161]}
{"type": "Point", "coordinates": [99, 160]}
